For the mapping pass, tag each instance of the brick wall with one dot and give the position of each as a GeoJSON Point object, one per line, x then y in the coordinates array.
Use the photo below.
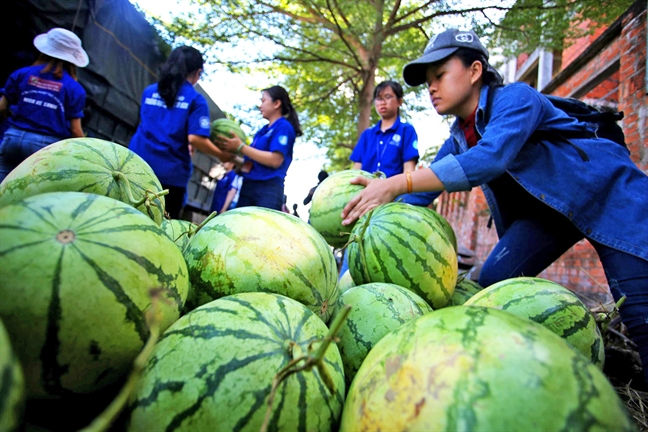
{"type": "Point", "coordinates": [579, 268]}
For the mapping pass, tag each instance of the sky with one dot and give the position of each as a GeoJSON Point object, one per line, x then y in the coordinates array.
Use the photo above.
{"type": "Point", "coordinates": [232, 92]}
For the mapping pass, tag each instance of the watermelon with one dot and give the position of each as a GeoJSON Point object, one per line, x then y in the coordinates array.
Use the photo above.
{"type": "Point", "coordinates": [551, 305]}
{"type": "Point", "coordinates": [345, 282]}
{"type": "Point", "coordinates": [478, 368]}
{"type": "Point", "coordinates": [403, 244]}
{"type": "Point", "coordinates": [213, 370]}
{"type": "Point", "coordinates": [377, 309]}
{"type": "Point", "coordinates": [12, 385]}
{"type": "Point", "coordinates": [77, 272]}
{"type": "Point", "coordinates": [258, 249]}
{"type": "Point", "coordinates": [226, 127]}
{"type": "Point", "coordinates": [329, 199]}
{"type": "Point", "coordinates": [447, 228]}
{"type": "Point", "coordinates": [464, 290]}
{"type": "Point", "coordinates": [180, 231]}
{"type": "Point", "coordinates": [86, 165]}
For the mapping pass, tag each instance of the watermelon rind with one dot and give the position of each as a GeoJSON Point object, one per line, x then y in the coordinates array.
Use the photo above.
{"type": "Point", "coordinates": [376, 309]}
{"type": "Point", "coordinates": [345, 282]}
{"type": "Point", "coordinates": [464, 290]}
{"type": "Point", "coordinates": [214, 368]}
{"type": "Point", "coordinates": [551, 305]}
{"type": "Point", "coordinates": [180, 231]}
{"type": "Point", "coordinates": [405, 245]}
{"type": "Point", "coordinates": [253, 249]}
{"type": "Point", "coordinates": [88, 165]}
{"type": "Point", "coordinates": [78, 272]}
{"type": "Point", "coordinates": [329, 199]}
{"type": "Point", "coordinates": [478, 368]}
{"type": "Point", "coordinates": [12, 385]}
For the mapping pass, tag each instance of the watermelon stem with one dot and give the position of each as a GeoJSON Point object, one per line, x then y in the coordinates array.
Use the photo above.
{"type": "Point", "coordinates": [365, 268]}
{"type": "Point", "coordinates": [147, 198]}
{"type": "Point", "coordinates": [153, 317]}
{"type": "Point", "coordinates": [315, 359]}
{"type": "Point", "coordinates": [605, 318]}
{"type": "Point", "coordinates": [207, 219]}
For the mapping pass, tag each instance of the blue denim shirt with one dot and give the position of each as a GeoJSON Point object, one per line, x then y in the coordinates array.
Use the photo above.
{"type": "Point", "coordinates": [606, 197]}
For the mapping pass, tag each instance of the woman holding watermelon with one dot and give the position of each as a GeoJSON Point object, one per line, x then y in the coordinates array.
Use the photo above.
{"type": "Point", "coordinates": [267, 159]}
{"type": "Point", "coordinates": [545, 194]}
{"type": "Point", "coordinates": [46, 99]}
{"type": "Point", "coordinates": [173, 116]}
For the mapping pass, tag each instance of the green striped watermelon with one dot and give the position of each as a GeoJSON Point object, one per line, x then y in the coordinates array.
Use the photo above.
{"type": "Point", "coordinates": [12, 385]}
{"type": "Point", "coordinates": [329, 199]}
{"type": "Point", "coordinates": [180, 231]}
{"type": "Point", "coordinates": [377, 309]}
{"type": "Point", "coordinates": [447, 228]}
{"type": "Point", "coordinates": [551, 305]}
{"type": "Point", "coordinates": [479, 369]}
{"type": "Point", "coordinates": [345, 282]}
{"type": "Point", "coordinates": [86, 165]}
{"type": "Point", "coordinates": [403, 244]}
{"type": "Point", "coordinates": [464, 290]}
{"type": "Point", "coordinates": [213, 370]}
{"type": "Point", "coordinates": [258, 249]}
{"type": "Point", "coordinates": [226, 127]}
{"type": "Point", "coordinates": [77, 270]}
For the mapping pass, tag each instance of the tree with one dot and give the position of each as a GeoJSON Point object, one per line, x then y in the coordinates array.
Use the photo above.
{"type": "Point", "coordinates": [331, 53]}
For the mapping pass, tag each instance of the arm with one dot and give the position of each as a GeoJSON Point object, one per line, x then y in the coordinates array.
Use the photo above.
{"type": "Point", "coordinates": [4, 104]}
{"type": "Point", "coordinates": [75, 128]}
{"type": "Point", "coordinates": [205, 145]}
{"type": "Point", "coordinates": [410, 166]}
{"type": "Point", "coordinates": [228, 200]}
{"type": "Point", "coordinates": [357, 165]}
{"type": "Point", "coordinates": [271, 159]}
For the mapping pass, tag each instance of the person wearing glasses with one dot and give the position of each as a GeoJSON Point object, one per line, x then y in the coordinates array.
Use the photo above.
{"type": "Point", "coordinates": [391, 146]}
{"type": "Point", "coordinates": [174, 116]}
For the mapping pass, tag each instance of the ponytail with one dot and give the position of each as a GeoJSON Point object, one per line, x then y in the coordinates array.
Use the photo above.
{"type": "Point", "coordinates": [490, 76]}
{"type": "Point", "coordinates": [287, 110]}
{"type": "Point", "coordinates": [181, 63]}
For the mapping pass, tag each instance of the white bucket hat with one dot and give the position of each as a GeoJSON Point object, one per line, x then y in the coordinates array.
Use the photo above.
{"type": "Point", "coordinates": [62, 44]}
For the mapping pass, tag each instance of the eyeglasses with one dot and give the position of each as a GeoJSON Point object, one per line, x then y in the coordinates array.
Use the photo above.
{"type": "Point", "coordinates": [385, 99]}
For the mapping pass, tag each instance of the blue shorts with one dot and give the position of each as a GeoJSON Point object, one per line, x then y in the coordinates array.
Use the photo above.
{"type": "Point", "coordinates": [262, 193]}
{"type": "Point", "coordinates": [17, 145]}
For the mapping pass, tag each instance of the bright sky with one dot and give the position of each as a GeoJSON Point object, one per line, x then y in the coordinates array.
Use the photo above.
{"type": "Point", "coordinates": [231, 92]}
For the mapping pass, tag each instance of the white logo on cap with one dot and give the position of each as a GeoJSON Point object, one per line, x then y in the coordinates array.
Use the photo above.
{"type": "Point", "coordinates": [464, 38]}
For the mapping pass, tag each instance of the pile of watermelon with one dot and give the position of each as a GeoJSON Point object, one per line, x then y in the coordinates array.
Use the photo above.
{"type": "Point", "coordinates": [243, 322]}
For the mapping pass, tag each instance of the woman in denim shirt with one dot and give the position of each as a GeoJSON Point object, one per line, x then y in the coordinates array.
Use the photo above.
{"type": "Point", "coordinates": [544, 194]}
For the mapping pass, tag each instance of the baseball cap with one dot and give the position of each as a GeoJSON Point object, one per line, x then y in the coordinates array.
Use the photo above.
{"type": "Point", "coordinates": [63, 45]}
{"type": "Point", "coordinates": [439, 47]}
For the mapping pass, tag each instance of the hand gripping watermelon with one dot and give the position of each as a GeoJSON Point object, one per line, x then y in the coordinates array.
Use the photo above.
{"type": "Point", "coordinates": [12, 385]}
{"type": "Point", "coordinates": [214, 369]}
{"type": "Point", "coordinates": [77, 272]}
{"type": "Point", "coordinates": [551, 305]}
{"type": "Point", "coordinates": [474, 368]}
{"type": "Point", "coordinates": [87, 165]}
{"type": "Point", "coordinates": [405, 245]}
{"type": "Point", "coordinates": [329, 199]}
{"type": "Point", "coordinates": [257, 249]}
{"type": "Point", "coordinates": [376, 309]}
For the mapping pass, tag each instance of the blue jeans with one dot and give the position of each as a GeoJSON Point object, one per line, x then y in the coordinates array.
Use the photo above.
{"type": "Point", "coordinates": [261, 193]}
{"type": "Point", "coordinates": [17, 145]}
{"type": "Point", "coordinates": [531, 245]}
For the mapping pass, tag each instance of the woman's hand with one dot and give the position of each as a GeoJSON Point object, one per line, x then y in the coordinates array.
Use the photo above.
{"type": "Point", "coordinates": [229, 144]}
{"type": "Point", "coordinates": [375, 193]}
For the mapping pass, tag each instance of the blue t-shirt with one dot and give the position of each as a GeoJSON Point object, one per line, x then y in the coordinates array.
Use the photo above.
{"type": "Point", "coordinates": [161, 137]}
{"type": "Point", "coordinates": [42, 103]}
{"type": "Point", "coordinates": [386, 151]}
{"type": "Point", "coordinates": [223, 187]}
{"type": "Point", "coordinates": [278, 137]}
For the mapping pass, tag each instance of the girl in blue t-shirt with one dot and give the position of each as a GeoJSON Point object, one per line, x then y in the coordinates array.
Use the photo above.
{"type": "Point", "coordinates": [391, 146]}
{"type": "Point", "coordinates": [267, 159]}
{"type": "Point", "coordinates": [46, 100]}
{"type": "Point", "coordinates": [544, 193]}
{"type": "Point", "coordinates": [173, 116]}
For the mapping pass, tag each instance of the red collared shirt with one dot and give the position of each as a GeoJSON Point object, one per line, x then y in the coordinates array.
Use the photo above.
{"type": "Point", "coordinates": [469, 129]}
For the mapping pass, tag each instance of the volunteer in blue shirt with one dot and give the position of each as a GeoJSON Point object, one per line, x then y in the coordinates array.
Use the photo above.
{"type": "Point", "coordinates": [173, 115]}
{"type": "Point", "coordinates": [267, 159]}
{"type": "Point", "coordinates": [391, 146]}
{"type": "Point", "coordinates": [46, 100]}
{"type": "Point", "coordinates": [544, 196]}
{"type": "Point", "coordinates": [225, 189]}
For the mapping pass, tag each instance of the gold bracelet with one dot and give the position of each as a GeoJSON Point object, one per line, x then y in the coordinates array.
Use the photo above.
{"type": "Point", "coordinates": [408, 177]}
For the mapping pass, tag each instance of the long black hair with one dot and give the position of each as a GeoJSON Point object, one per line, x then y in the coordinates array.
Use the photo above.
{"type": "Point", "coordinates": [490, 76]}
{"type": "Point", "coordinates": [181, 63]}
{"type": "Point", "coordinates": [278, 93]}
